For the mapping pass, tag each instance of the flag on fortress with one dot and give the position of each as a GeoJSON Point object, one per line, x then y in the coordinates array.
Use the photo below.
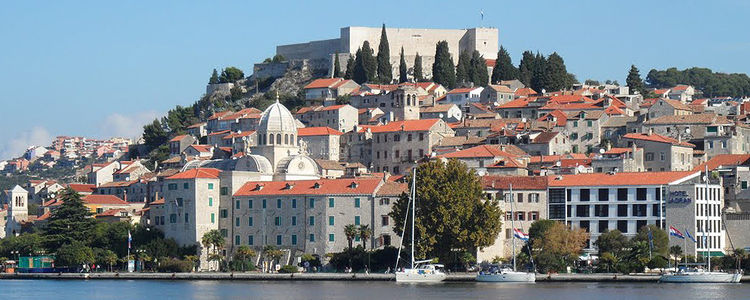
{"type": "Point", "coordinates": [675, 232]}
{"type": "Point", "coordinates": [690, 236]}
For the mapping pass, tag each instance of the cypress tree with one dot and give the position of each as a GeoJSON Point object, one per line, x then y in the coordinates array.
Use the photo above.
{"type": "Point", "coordinates": [359, 74]}
{"type": "Point", "coordinates": [418, 68]}
{"type": "Point", "coordinates": [385, 70]}
{"type": "Point", "coordinates": [538, 74]}
{"type": "Point", "coordinates": [336, 67]}
{"type": "Point", "coordinates": [443, 70]}
{"type": "Point", "coordinates": [463, 68]}
{"type": "Point", "coordinates": [369, 62]}
{"type": "Point", "coordinates": [478, 70]}
{"type": "Point", "coordinates": [634, 81]}
{"type": "Point", "coordinates": [402, 69]}
{"type": "Point", "coordinates": [214, 77]}
{"type": "Point", "coordinates": [349, 68]}
{"type": "Point", "coordinates": [504, 69]}
{"type": "Point", "coordinates": [526, 68]}
{"type": "Point", "coordinates": [555, 74]}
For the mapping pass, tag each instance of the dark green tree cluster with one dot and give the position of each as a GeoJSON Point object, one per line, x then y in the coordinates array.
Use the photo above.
{"type": "Point", "coordinates": [443, 69]}
{"type": "Point", "coordinates": [214, 77]}
{"type": "Point", "coordinates": [544, 73]}
{"type": "Point", "coordinates": [278, 58]}
{"type": "Point", "coordinates": [418, 73]}
{"type": "Point", "coordinates": [471, 68]}
{"type": "Point", "coordinates": [230, 74]}
{"type": "Point", "coordinates": [712, 84]}
{"type": "Point", "coordinates": [403, 70]}
{"type": "Point", "coordinates": [385, 70]}
{"type": "Point", "coordinates": [504, 68]}
{"type": "Point", "coordinates": [618, 253]}
{"type": "Point", "coordinates": [634, 81]}
{"type": "Point", "coordinates": [452, 216]}
{"type": "Point", "coordinates": [555, 246]}
{"type": "Point", "coordinates": [349, 74]}
{"type": "Point", "coordinates": [336, 66]}
{"type": "Point", "coordinates": [365, 65]}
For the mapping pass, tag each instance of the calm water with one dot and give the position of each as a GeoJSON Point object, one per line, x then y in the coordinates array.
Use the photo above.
{"type": "Point", "coordinates": [161, 290]}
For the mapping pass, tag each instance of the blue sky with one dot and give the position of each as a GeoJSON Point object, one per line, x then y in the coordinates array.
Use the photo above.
{"type": "Point", "coordinates": [101, 69]}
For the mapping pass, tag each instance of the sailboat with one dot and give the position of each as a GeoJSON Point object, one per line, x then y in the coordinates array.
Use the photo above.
{"type": "Point", "coordinates": [507, 274]}
{"type": "Point", "coordinates": [694, 275]}
{"type": "Point", "coordinates": [419, 271]}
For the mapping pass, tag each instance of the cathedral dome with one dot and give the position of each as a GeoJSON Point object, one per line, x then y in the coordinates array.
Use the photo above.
{"type": "Point", "coordinates": [277, 119]}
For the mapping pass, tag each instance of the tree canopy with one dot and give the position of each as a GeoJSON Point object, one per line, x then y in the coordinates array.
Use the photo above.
{"type": "Point", "coordinates": [478, 70]}
{"type": "Point", "coordinates": [336, 66]}
{"type": "Point", "coordinates": [712, 84]}
{"type": "Point", "coordinates": [462, 68]}
{"type": "Point", "coordinates": [231, 74]}
{"type": "Point", "coordinates": [70, 222]}
{"type": "Point", "coordinates": [443, 69]}
{"type": "Point", "coordinates": [634, 81]}
{"type": "Point", "coordinates": [451, 212]}
{"type": "Point", "coordinates": [402, 68]}
{"type": "Point", "coordinates": [385, 71]}
{"type": "Point", "coordinates": [504, 68]}
{"type": "Point", "coordinates": [555, 245]}
{"type": "Point", "coordinates": [214, 77]}
{"type": "Point", "coordinates": [349, 74]}
{"type": "Point", "coordinates": [418, 74]}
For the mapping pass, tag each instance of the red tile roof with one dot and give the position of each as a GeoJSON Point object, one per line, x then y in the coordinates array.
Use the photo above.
{"type": "Point", "coordinates": [333, 107]}
{"type": "Point", "coordinates": [343, 186]}
{"type": "Point", "coordinates": [313, 131]}
{"type": "Point", "coordinates": [656, 138]}
{"type": "Point", "coordinates": [111, 212]}
{"type": "Point", "coordinates": [524, 92]}
{"type": "Point", "coordinates": [561, 117]}
{"type": "Point", "coordinates": [103, 199]}
{"type": "Point", "coordinates": [618, 150]}
{"type": "Point", "coordinates": [220, 114]}
{"type": "Point", "coordinates": [493, 182]}
{"type": "Point", "coordinates": [197, 173]}
{"type": "Point", "coordinates": [554, 158]}
{"type": "Point", "coordinates": [178, 138]}
{"type": "Point", "coordinates": [480, 151]}
{"type": "Point", "coordinates": [82, 188]}
{"type": "Point", "coordinates": [408, 125]}
{"type": "Point", "coordinates": [461, 90]}
{"type": "Point", "coordinates": [197, 125]}
{"type": "Point", "coordinates": [220, 132]}
{"type": "Point", "coordinates": [724, 160]}
{"type": "Point", "coordinates": [238, 134]}
{"type": "Point", "coordinates": [201, 148]}
{"type": "Point", "coordinates": [323, 83]}
{"type": "Point", "coordinates": [392, 188]}
{"type": "Point", "coordinates": [617, 179]}
{"type": "Point", "coordinates": [518, 103]}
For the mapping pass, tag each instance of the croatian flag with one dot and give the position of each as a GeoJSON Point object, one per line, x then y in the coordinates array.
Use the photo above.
{"type": "Point", "coordinates": [690, 236]}
{"type": "Point", "coordinates": [675, 232]}
{"type": "Point", "coordinates": [520, 235]}
{"type": "Point", "coordinates": [130, 238]}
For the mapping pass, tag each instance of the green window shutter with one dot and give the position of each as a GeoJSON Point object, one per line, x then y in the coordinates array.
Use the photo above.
{"type": "Point", "coordinates": [330, 220]}
{"type": "Point", "coordinates": [331, 202]}
{"type": "Point", "coordinates": [356, 202]}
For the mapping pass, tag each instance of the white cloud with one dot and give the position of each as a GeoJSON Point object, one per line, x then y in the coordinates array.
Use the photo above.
{"type": "Point", "coordinates": [16, 146]}
{"type": "Point", "coordinates": [129, 126]}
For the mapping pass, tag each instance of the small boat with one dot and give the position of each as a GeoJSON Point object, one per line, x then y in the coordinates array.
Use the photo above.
{"type": "Point", "coordinates": [497, 274]}
{"type": "Point", "coordinates": [419, 271]}
{"type": "Point", "coordinates": [700, 276]}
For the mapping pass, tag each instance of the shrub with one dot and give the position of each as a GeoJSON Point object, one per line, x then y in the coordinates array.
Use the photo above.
{"type": "Point", "coordinates": [657, 262]}
{"type": "Point", "coordinates": [172, 265]}
{"type": "Point", "coordinates": [288, 269]}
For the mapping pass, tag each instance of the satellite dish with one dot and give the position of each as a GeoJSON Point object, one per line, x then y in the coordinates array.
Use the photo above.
{"type": "Point", "coordinates": [557, 163]}
{"type": "Point", "coordinates": [601, 151]}
{"type": "Point", "coordinates": [687, 130]}
{"type": "Point", "coordinates": [441, 115]}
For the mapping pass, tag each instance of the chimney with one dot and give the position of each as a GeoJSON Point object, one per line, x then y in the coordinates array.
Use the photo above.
{"type": "Point", "coordinates": [651, 131]}
{"type": "Point", "coordinates": [125, 195]}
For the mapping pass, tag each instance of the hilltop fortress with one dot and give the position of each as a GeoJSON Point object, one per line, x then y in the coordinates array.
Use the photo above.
{"type": "Point", "coordinates": [319, 55]}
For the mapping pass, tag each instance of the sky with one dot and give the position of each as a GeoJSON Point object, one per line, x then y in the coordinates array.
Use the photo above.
{"type": "Point", "coordinates": [100, 69]}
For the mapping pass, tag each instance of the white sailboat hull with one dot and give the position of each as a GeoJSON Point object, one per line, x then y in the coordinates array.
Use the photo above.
{"type": "Point", "coordinates": [701, 277]}
{"type": "Point", "coordinates": [507, 277]}
{"type": "Point", "coordinates": [420, 276]}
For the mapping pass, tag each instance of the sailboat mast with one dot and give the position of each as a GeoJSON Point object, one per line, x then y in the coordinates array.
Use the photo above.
{"type": "Point", "coordinates": [705, 225]}
{"type": "Point", "coordinates": [413, 207]}
{"type": "Point", "coordinates": [513, 225]}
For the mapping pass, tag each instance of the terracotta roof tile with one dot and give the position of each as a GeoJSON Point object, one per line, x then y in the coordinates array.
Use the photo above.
{"type": "Point", "coordinates": [725, 160]}
{"type": "Point", "coordinates": [408, 125]}
{"type": "Point", "coordinates": [492, 182]}
{"type": "Point", "coordinates": [323, 83]}
{"type": "Point", "coordinates": [197, 173]}
{"type": "Point", "coordinates": [103, 199]}
{"type": "Point", "coordinates": [656, 138]}
{"type": "Point", "coordinates": [480, 151]}
{"type": "Point", "coordinates": [313, 131]}
{"type": "Point", "coordinates": [343, 186]}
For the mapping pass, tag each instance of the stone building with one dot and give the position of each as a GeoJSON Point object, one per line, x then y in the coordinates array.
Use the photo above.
{"type": "Point", "coordinates": [320, 142]}
{"type": "Point", "coordinates": [339, 117]}
{"type": "Point", "coordinates": [662, 153]}
{"type": "Point", "coordinates": [397, 145]}
{"type": "Point", "coordinates": [619, 160]}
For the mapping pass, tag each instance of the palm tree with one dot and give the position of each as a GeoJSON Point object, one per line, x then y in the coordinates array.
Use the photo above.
{"type": "Point", "coordinates": [675, 251]}
{"type": "Point", "coordinates": [351, 232]}
{"type": "Point", "coordinates": [739, 254]}
{"type": "Point", "coordinates": [213, 240]}
{"type": "Point", "coordinates": [364, 233]}
{"type": "Point", "coordinates": [243, 253]}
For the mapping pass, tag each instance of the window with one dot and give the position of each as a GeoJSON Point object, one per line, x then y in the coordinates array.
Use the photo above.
{"type": "Point", "coordinates": [603, 194]}
{"type": "Point", "coordinates": [655, 211]}
{"type": "Point", "coordinates": [585, 195]}
{"type": "Point", "coordinates": [250, 204]}
{"type": "Point", "coordinates": [186, 185]}
{"type": "Point", "coordinates": [312, 237]}
{"type": "Point", "coordinates": [743, 184]}
{"type": "Point", "coordinates": [396, 137]}
{"type": "Point", "coordinates": [520, 216]}
{"type": "Point", "coordinates": [249, 221]}
{"type": "Point", "coordinates": [294, 239]}
{"type": "Point", "coordinates": [210, 201]}
{"type": "Point", "coordinates": [312, 220]}
{"type": "Point", "coordinates": [331, 238]}
{"type": "Point", "coordinates": [237, 222]}
{"type": "Point", "coordinates": [210, 186]}
{"type": "Point", "coordinates": [603, 226]}
{"type": "Point", "coordinates": [172, 186]}
{"type": "Point", "coordinates": [589, 123]}
{"type": "Point", "coordinates": [622, 210]}
{"type": "Point", "coordinates": [277, 221]}
{"type": "Point", "coordinates": [224, 191]}
{"type": "Point", "coordinates": [278, 203]}
{"type": "Point", "coordinates": [622, 194]}
{"type": "Point", "coordinates": [294, 203]}
{"type": "Point", "coordinates": [640, 194]}
{"type": "Point", "coordinates": [356, 202]}
{"type": "Point", "coordinates": [649, 156]}
{"type": "Point", "coordinates": [236, 239]}
{"type": "Point", "coordinates": [519, 197]}
{"type": "Point", "coordinates": [224, 213]}
{"type": "Point", "coordinates": [180, 202]}
{"type": "Point", "coordinates": [662, 156]}
{"type": "Point", "coordinates": [312, 203]}
{"type": "Point", "coordinates": [421, 136]}
{"type": "Point", "coordinates": [213, 218]}
{"type": "Point", "coordinates": [408, 137]}
{"type": "Point", "coordinates": [640, 224]}
{"type": "Point", "coordinates": [237, 204]}
{"type": "Point", "coordinates": [250, 240]}
{"type": "Point", "coordinates": [533, 216]}
{"type": "Point", "coordinates": [384, 220]}
{"type": "Point", "coordinates": [356, 220]}
{"type": "Point", "coordinates": [601, 210]}
{"type": "Point", "coordinates": [278, 240]}
{"type": "Point", "coordinates": [585, 225]}
{"type": "Point", "coordinates": [639, 210]}
{"type": "Point", "coordinates": [575, 123]}
{"type": "Point", "coordinates": [173, 218]}
{"type": "Point", "coordinates": [264, 203]}
{"type": "Point", "coordinates": [534, 198]}
{"type": "Point", "coordinates": [582, 211]}
{"type": "Point", "coordinates": [622, 226]}
{"type": "Point", "coordinates": [224, 232]}
{"type": "Point", "coordinates": [330, 220]}
{"type": "Point", "coordinates": [331, 202]}
{"type": "Point", "coordinates": [294, 221]}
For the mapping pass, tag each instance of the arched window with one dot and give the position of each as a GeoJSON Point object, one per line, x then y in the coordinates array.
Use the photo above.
{"type": "Point", "coordinates": [270, 138]}
{"type": "Point", "coordinates": [286, 139]}
{"type": "Point", "coordinates": [293, 140]}
{"type": "Point", "coordinates": [261, 139]}
{"type": "Point", "coordinates": [278, 138]}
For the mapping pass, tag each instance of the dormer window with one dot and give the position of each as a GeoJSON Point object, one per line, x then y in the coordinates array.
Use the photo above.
{"type": "Point", "coordinates": [316, 185]}
{"type": "Point", "coordinates": [258, 187]}
{"type": "Point", "coordinates": [288, 186]}
{"type": "Point", "coordinates": [354, 185]}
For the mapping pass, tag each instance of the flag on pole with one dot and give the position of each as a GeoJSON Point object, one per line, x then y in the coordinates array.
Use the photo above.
{"type": "Point", "coordinates": [650, 239]}
{"type": "Point", "coordinates": [481, 12]}
{"type": "Point", "coordinates": [690, 236]}
{"type": "Point", "coordinates": [520, 235]}
{"type": "Point", "coordinates": [673, 231]}
{"type": "Point", "coordinates": [130, 238]}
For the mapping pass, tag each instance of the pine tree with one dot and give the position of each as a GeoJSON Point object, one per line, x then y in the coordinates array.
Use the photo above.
{"type": "Point", "coordinates": [349, 68]}
{"type": "Point", "coordinates": [418, 68]}
{"type": "Point", "coordinates": [526, 68]}
{"type": "Point", "coordinates": [402, 68]}
{"type": "Point", "coordinates": [462, 69]}
{"type": "Point", "coordinates": [555, 74]}
{"type": "Point", "coordinates": [539, 77]}
{"type": "Point", "coordinates": [504, 69]}
{"type": "Point", "coordinates": [443, 69]}
{"type": "Point", "coordinates": [478, 70]}
{"type": "Point", "coordinates": [385, 70]}
{"type": "Point", "coordinates": [359, 73]}
{"type": "Point", "coordinates": [336, 67]}
{"type": "Point", "coordinates": [70, 222]}
{"type": "Point", "coordinates": [214, 77]}
{"type": "Point", "coordinates": [634, 81]}
{"type": "Point", "coordinates": [369, 62]}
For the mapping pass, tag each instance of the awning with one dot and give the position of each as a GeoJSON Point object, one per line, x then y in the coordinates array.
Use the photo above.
{"type": "Point", "coordinates": [712, 254]}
